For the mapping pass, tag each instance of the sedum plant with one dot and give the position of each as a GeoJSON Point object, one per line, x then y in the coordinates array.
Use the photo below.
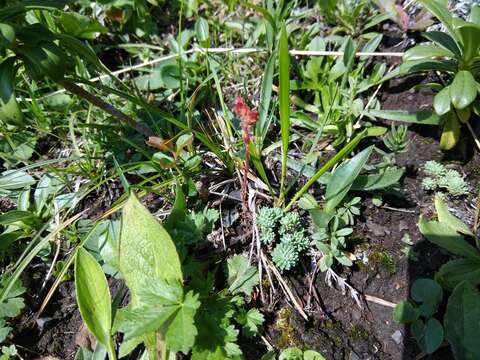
{"type": "Point", "coordinates": [273, 224]}
{"type": "Point", "coordinates": [440, 177]}
{"type": "Point", "coordinates": [397, 139]}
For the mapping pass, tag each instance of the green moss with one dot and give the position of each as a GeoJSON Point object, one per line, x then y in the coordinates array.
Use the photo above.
{"type": "Point", "coordinates": [288, 336]}
{"type": "Point", "coordinates": [358, 333]}
{"type": "Point", "coordinates": [381, 261]}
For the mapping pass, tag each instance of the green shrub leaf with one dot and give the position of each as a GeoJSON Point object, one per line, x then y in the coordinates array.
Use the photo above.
{"type": "Point", "coordinates": [462, 321]}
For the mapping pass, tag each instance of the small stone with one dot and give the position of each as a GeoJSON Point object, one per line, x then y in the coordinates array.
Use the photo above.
{"type": "Point", "coordinates": [353, 356]}
{"type": "Point", "coordinates": [397, 337]}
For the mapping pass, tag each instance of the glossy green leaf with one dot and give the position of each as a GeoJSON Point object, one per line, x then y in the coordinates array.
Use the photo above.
{"type": "Point", "coordinates": [284, 102]}
{"type": "Point", "coordinates": [10, 112]}
{"type": "Point", "coordinates": [463, 89]}
{"type": "Point", "coordinates": [202, 31]}
{"type": "Point", "coordinates": [470, 37]}
{"type": "Point", "coordinates": [444, 40]}
{"type": "Point", "coordinates": [455, 271]}
{"type": "Point", "coordinates": [447, 238]}
{"type": "Point", "coordinates": [93, 298]}
{"type": "Point", "coordinates": [377, 181]}
{"type": "Point", "coordinates": [446, 217]}
{"type": "Point", "coordinates": [343, 178]}
{"type": "Point", "coordinates": [421, 52]}
{"type": "Point", "coordinates": [442, 101]}
{"type": "Point", "coordinates": [462, 322]}
{"type": "Point", "coordinates": [418, 117]}
{"type": "Point", "coordinates": [450, 133]}
{"type": "Point", "coordinates": [7, 35]}
{"type": "Point", "coordinates": [14, 10]}
{"type": "Point", "coordinates": [425, 65]}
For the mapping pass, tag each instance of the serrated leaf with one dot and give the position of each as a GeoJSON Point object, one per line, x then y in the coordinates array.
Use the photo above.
{"type": "Point", "coordinates": [93, 298]}
{"type": "Point", "coordinates": [242, 277]}
{"type": "Point", "coordinates": [250, 320]}
{"type": "Point", "coordinates": [462, 321]}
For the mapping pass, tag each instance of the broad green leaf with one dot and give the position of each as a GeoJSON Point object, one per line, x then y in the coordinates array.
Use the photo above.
{"type": "Point", "coordinates": [429, 335]}
{"type": "Point", "coordinates": [14, 216]}
{"type": "Point", "coordinates": [242, 276]}
{"type": "Point", "coordinates": [475, 14]}
{"type": "Point", "coordinates": [15, 179]}
{"type": "Point", "coordinates": [450, 132]}
{"type": "Point", "coordinates": [81, 26]}
{"type": "Point", "coordinates": [171, 76]}
{"type": "Point", "coordinates": [284, 100]}
{"type": "Point", "coordinates": [428, 293]}
{"type": "Point", "coordinates": [424, 117]}
{"type": "Point", "coordinates": [442, 101]}
{"type": "Point", "coordinates": [470, 37]}
{"type": "Point", "coordinates": [7, 35]}
{"type": "Point", "coordinates": [421, 52]}
{"type": "Point", "coordinates": [146, 249]}
{"type": "Point", "coordinates": [441, 13]}
{"type": "Point", "coordinates": [444, 216]}
{"type": "Point", "coordinates": [13, 10]}
{"type": "Point", "coordinates": [202, 31]}
{"type": "Point", "coordinates": [462, 322]}
{"type": "Point", "coordinates": [10, 112]}
{"type": "Point", "coordinates": [250, 321]}
{"type": "Point", "coordinates": [93, 298]}
{"type": "Point", "coordinates": [343, 178]}
{"type": "Point", "coordinates": [424, 65]}
{"type": "Point", "coordinates": [44, 59]}
{"type": "Point", "coordinates": [444, 236]}
{"type": "Point", "coordinates": [404, 312]}
{"type": "Point", "coordinates": [444, 40]}
{"type": "Point", "coordinates": [463, 89]}
{"type": "Point", "coordinates": [455, 271]}
{"type": "Point", "coordinates": [377, 181]}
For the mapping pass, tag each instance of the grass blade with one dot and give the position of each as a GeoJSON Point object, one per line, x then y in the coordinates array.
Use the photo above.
{"type": "Point", "coordinates": [284, 89]}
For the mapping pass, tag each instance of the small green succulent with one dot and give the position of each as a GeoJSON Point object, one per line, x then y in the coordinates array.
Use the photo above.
{"type": "Point", "coordinates": [397, 139]}
{"type": "Point", "coordinates": [274, 224]}
{"type": "Point", "coordinates": [440, 177]}
{"type": "Point", "coordinates": [285, 255]}
{"type": "Point", "coordinates": [290, 223]}
{"type": "Point", "coordinates": [434, 169]}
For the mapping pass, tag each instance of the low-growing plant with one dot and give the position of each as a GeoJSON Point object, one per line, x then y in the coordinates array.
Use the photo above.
{"type": "Point", "coordinates": [461, 322]}
{"type": "Point", "coordinates": [438, 176]}
{"type": "Point", "coordinates": [397, 139]}
{"type": "Point", "coordinates": [419, 312]}
{"type": "Point", "coordinates": [164, 315]}
{"type": "Point", "coordinates": [455, 54]}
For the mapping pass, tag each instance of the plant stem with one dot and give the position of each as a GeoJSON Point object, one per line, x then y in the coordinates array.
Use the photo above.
{"type": "Point", "coordinates": [128, 120]}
